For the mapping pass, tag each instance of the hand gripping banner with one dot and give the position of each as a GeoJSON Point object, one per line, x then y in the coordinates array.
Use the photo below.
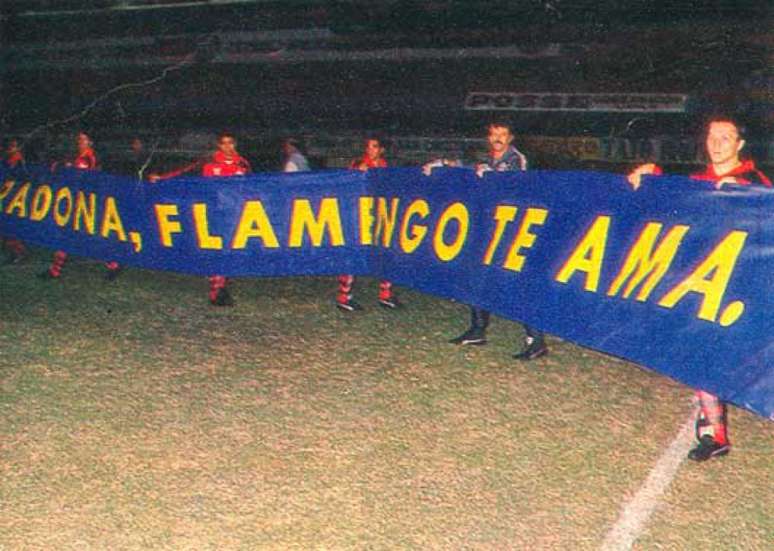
{"type": "Point", "coordinates": [677, 276]}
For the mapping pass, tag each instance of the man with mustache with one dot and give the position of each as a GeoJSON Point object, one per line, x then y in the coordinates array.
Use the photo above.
{"type": "Point", "coordinates": [502, 156]}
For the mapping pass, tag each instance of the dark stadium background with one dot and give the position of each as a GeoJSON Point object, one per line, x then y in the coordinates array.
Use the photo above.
{"type": "Point", "coordinates": [176, 72]}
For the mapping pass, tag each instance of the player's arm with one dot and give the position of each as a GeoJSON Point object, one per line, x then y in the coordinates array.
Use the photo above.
{"type": "Point", "coordinates": [635, 176]}
{"type": "Point", "coordinates": [427, 168]}
{"type": "Point", "coordinates": [482, 168]}
{"type": "Point", "coordinates": [190, 167]}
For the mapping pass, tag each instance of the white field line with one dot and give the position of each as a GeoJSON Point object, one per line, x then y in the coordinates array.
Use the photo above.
{"type": "Point", "coordinates": [635, 514]}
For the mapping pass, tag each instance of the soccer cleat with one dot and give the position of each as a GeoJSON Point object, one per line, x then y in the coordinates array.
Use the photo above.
{"type": "Point", "coordinates": [348, 306]}
{"type": "Point", "coordinates": [391, 303]}
{"type": "Point", "coordinates": [474, 335]}
{"type": "Point", "coordinates": [708, 448]}
{"type": "Point", "coordinates": [702, 425]}
{"type": "Point", "coordinates": [223, 298]}
{"type": "Point", "coordinates": [532, 351]}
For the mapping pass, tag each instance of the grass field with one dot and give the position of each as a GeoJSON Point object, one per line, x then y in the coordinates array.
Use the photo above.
{"type": "Point", "coordinates": [133, 415]}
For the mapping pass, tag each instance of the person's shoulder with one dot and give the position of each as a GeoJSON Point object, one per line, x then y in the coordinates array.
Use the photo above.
{"type": "Point", "coordinates": [515, 159]}
{"type": "Point", "coordinates": [754, 175]}
{"type": "Point", "coordinates": [299, 160]}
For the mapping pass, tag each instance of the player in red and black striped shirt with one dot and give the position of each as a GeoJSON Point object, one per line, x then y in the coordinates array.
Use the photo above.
{"type": "Point", "coordinates": [724, 143]}
{"type": "Point", "coordinates": [226, 161]}
{"type": "Point", "coordinates": [85, 159]}
{"type": "Point", "coordinates": [373, 157]}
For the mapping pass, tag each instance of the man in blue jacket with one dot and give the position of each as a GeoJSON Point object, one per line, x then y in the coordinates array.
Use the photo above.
{"type": "Point", "coordinates": [502, 156]}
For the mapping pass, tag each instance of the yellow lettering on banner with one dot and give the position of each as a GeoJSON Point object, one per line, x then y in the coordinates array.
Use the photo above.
{"type": "Point", "coordinates": [409, 244]}
{"type": "Point", "coordinates": [504, 215]}
{"type": "Point", "coordinates": [111, 220]}
{"type": "Point", "coordinates": [524, 239]}
{"type": "Point", "coordinates": [254, 223]}
{"type": "Point", "coordinates": [203, 236]}
{"type": "Point", "coordinates": [367, 220]}
{"type": "Point", "coordinates": [84, 212]}
{"type": "Point", "coordinates": [19, 202]}
{"type": "Point", "coordinates": [63, 195]}
{"type": "Point", "coordinates": [6, 189]}
{"type": "Point", "coordinates": [136, 239]}
{"type": "Point", "coordinates": [302, 218]}
{"type": "Point", "coordinates": [588, 255]}
{"type": "Point", "coordinates": [643, 261]}
{"type": "Point", "coordinates": [385, 219]}
{"type": "Point", "coordinates": [166, 226]}
{"type": "Point", "coordinates": [710, 279]}
{"type": "Point", "coordinates": [444, 251]}
{"type": "Point", "coordinates": [41, 203]}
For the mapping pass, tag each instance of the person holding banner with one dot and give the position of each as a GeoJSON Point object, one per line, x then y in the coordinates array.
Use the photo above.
{"type": "Point", "coordinates": [724, 143]}
{"type": "Point", "coordinates": [295, 161]}
{"type": "Point", "coordinates": [193, 166]}
{"type": "Point", "coordinates": [13, 154]}
{"type": "Point", "coordinates": [133, 161]}
{"type": "Point", "coordinates": [85, 159]}
{"type": "Point", "coordinates": [225, 162]}
{"type": "Point", "coordinates": [503, 156]}
{"type": "Point", "coordinates": [13, 158]}
{"type": "Point", "coordinates": [373, 157]}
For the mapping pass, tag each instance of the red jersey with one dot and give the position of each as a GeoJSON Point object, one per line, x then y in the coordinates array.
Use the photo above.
{"type": "Point", "coordinates": [223, 165]}
{"type": "Point", "coordinates": [744, 174]}
{"type": "Point", "coordinates": [368, 162]}
{"type": "Point", "coordinates": [13, 158]}
{"type": "Point", "coordinates": [86, 160]}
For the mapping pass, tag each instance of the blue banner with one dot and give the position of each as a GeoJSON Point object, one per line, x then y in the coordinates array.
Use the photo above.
{"type": "Point", "coordinates": [676, 276]}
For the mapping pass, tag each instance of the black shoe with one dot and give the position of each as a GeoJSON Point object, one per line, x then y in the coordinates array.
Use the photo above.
{"type": "Point", "coordinates": [701, 426]}
{"type": "Point", "coordinates": [708, 448]}
{"type": "Point", "coordinates": [349, 306]}
{"type": "Point", "coordinates": [391, 303]}
{"type": "Point", "coordinates": [474, 335]}
{"type": "Point", "coordinates": [532, 351]}
{"type": "Point", "coordinates": [111, 275]}
{"type": "Point", "coordinates": [47, 275]}
{"type": "Point", "coordinates": [223, 298]}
